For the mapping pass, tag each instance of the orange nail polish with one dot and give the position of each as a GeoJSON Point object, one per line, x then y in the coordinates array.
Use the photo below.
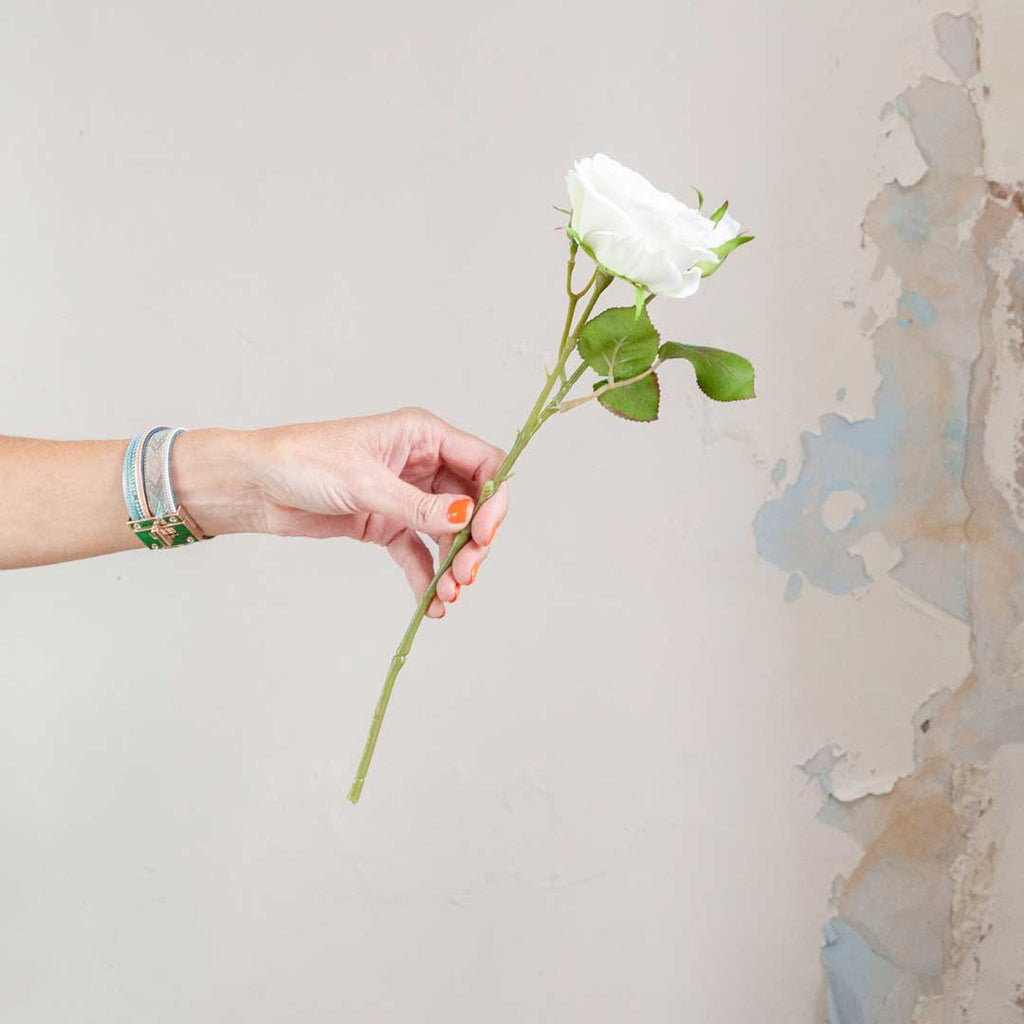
{"type": "Point", "coordinates": [458, 587]}
{"type": "Point", "coordinates": [473, 572]}
{"type": "Point", "coordinates": [494, 530]}
{"type": "Point", "coordinates": [458, 511]}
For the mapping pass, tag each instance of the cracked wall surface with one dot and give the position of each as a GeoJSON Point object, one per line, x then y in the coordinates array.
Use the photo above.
{"type": "Point", "coordinates": [928, 492]}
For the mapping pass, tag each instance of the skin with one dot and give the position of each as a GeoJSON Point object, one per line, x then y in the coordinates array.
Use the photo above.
{"type": "Point", "coordinates": [388, 479]}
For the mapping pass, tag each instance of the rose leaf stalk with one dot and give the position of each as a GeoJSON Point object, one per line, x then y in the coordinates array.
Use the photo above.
{"type": "Point", "coordinates": [542, 410]}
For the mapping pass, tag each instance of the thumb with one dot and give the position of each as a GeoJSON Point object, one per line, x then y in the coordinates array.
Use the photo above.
{"type": "Point", "coordinates": [389, 495]}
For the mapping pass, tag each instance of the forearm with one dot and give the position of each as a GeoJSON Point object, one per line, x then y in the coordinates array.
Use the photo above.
{"type": "Point", "coordinates": [63, 500]}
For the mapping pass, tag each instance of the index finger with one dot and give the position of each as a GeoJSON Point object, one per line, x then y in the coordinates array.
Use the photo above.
{"type": "Point", "coordinates": [476, 461]}
{"type": "Point", "coordinates": [469, 456]}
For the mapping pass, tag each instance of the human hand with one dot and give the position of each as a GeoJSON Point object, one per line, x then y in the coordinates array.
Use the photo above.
{"type": "Point", "coordinates": [385, 479]}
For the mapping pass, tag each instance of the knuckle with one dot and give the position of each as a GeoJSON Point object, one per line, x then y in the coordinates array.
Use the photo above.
{"type": "Point", "coordinates": [424, 510]}
{"type": "Point", "coordinates": [364, 529]}
{"type": "Point", "coordinates": [412, 413]}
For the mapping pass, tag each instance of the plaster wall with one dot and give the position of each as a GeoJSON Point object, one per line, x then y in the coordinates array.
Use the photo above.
{"type": "Point", "coordinates": [729, 728]}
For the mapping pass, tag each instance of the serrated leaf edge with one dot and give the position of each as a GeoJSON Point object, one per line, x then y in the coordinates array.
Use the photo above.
{"type": "Point", "coordinates": [629, 419]}
{"type": "Point", "coordinates": [711, 348]}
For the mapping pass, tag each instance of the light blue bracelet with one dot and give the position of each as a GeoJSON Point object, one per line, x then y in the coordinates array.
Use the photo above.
{"type": "Point", "coordinates": [154, 515]}
{"type": "Point", "coordinates": [156, 471]}
{"type": "Point", "coordinates": [133, 496]}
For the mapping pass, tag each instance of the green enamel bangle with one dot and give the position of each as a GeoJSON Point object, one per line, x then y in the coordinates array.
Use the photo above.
{"type": "Point", "coordinates": [168, 531]}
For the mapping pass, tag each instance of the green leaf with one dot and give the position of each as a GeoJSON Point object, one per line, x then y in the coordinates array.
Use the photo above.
{"type": "Point", "coordinates": [719, 213]}
{"type": "Point", "coordinates": [723, 376]}
{"type": "Point", "coordinates": [619, 343]}
{"type": "Point", "coordinates": [700, 198]}
{"type": "Point", "coordinates": [637, 401]}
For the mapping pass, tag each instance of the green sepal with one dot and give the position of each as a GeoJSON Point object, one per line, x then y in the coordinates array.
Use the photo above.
{"type": "Point", "coordinates": [719, 213]}
{"type": "Point", "coordinates": [723, 250]}
{"type": "Point", "coordinates": [723, 376]}
{"type": "Point", "coordinates": [641, 294]}
{"type": "Point", "coordinates": [638, 401]}
{"type": "Point", "coordinates": [707, 268]}
{"type": "Point", "coordinates": [700, 198]}
{"type": "Point", "coordinates": [620, 343]}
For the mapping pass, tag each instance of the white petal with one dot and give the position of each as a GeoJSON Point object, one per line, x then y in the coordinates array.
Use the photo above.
{"type": "Point", "coordinates": [689, 284]}
{"type": "Point", "coordinates": [726, 229]}
{"type": "Point", "coordinates": [685, 254]}
{"type": "Point", "coordinates": [621, 254]}
{"type": "Point", "coordinates": [574, 185]}
{"type": "Point", "coordinates": [599, 212]}
{"type": "Point", "coordinates": [659, 273]}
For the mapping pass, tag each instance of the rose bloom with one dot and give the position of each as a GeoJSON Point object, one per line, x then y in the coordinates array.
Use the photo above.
{"type": "Point", "coordinates": [640, 233]}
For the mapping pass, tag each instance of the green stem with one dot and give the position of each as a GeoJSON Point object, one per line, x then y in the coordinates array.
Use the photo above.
{"type": "Point", "coordinates": [603, 390]}
{"type": "Point", "coordinates": [555, 405]}
{"type": "Point", "coordinates": [538, 415]}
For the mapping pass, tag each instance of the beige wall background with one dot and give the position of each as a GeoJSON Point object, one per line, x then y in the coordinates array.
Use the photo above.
{"type": "Point", "coordinates": [729, 728]}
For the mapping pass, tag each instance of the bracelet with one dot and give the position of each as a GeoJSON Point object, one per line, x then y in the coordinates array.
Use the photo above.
{"type": "Point", "coordinates": [154, 516]}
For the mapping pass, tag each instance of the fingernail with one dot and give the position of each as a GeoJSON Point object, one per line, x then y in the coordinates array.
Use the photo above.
{"type": "Point", "coordinates": [494, 530]}
{"type": "Point", "coordinates": [474, 571]}
{"type": "Point", "coordinates": [458, 511]}
{"type": "Point", "coordinates": [444, 611]}
{"type": "Point", "coordinates": [458, 587]}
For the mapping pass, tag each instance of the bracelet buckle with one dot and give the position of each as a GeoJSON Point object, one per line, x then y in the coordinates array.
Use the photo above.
{"type": "Point", "coordinates": [167, 531]}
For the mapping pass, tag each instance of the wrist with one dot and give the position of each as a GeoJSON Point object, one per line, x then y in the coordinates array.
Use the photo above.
{"type": "Point", "coordinates": [214, 479]}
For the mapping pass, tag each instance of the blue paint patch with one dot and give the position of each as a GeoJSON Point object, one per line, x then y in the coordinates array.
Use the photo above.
{"type": "Point", "coordinates": [860, 456]}
{"type": "Point", "coordinates": [841, 395]}
{"type": "Point", "coordinates": [862, 984]}
{"type": "Point", "coordinates": [870, 456]}
{"type": "Point", "coordinates": [914, 310]}
{"type": "Point", "coordinates": [909, 214]}
{"type": "Point", "coordinates": [794, 588]}
{"type": "Point", "coordinates": [779, 472]}
{"type": "Point", "coordinates": [955, 453]}
{"type": "Point", "coordinates": [821, 765]}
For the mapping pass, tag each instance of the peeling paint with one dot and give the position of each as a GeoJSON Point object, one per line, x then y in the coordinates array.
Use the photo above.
{"type": "Point", "coordinates": [957, 37]}
{"type": "Point", "coordinates": [928, 492]}
{"type": "Point", "coordinates": [842, 777]}
{"type": "Point", "coordinates": [863, 986]}
{"type": "Point", "coordinates": [839, 509]}
{"type": "Point", "coordinates": [906, 460]}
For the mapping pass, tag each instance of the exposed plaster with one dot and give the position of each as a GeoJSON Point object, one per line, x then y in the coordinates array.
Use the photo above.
{"type": "Point", "coordinates": [928, 492]}
{"type": "Point", "coordinates": [957, 36]}
{"type": "Point", "coordinates": [843, 777]}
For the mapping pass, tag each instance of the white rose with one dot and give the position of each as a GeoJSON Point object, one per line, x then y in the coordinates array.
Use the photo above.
{"type": "Point", "coordinates": [640, 233]}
